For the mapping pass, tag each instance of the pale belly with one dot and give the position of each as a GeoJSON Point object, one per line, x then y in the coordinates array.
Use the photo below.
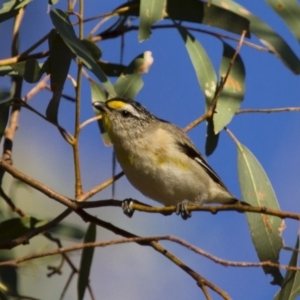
{"type": "Point", "coordinates": [167, 184]}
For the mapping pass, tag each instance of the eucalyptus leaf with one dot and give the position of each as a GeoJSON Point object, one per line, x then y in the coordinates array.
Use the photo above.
{"type": "Point", "coordinates": [8, 274]}
{"type": "Point", "coordinates": [29, 69]}
{"type": "Point", "coordinates": [233, 91]}
{"type": "Point", "coordinates": [151, 11]}
{"type": "Point", "coordinates": [265, 230]}
{"type": "Point", "coordinates": [212, 139]}
{"type": "Point", "coordinates": [98, 94]}
{"type": "Point", "coordinates": [203, 66]}
{"type": "Point", "coordinates": [289, 11]}
{"type": "Point", "coordinates": [58, 66]}
{"type": "Point", "coordinates": [291, 283]}
{"type": "Point", "coordinates": [130, 81]}
{"type": "Point", "coordinates": [15, 227]}
{"type": "Point", "coordinates": [272, 40]}
{"type": "Point", "coordinates": [7, 70]}
{"type": "Point", "coordinates": [67, 230]}
{"type": "Point", "coordinates": [62, 23]}
{"type": "Point", "coordinates": [86, 261]}
{"type": "Point", "coordinates": [111, 69]}
{"type": "Point", "coordinates": [11, 8]}
{"type": "Point", "coordinates": [197, 12]}
{"type": "Point", "coordinates": [93, 48]}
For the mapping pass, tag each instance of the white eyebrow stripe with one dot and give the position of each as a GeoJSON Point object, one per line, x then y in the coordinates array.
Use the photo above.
{"type": "Point", "coordinates": [130, 109]}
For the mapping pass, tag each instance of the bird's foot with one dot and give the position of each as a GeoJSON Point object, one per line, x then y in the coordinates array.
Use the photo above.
{"type": "Point", "coordinates": [181, 209]}
{"type": "Point", "coordinates": [127, 207]}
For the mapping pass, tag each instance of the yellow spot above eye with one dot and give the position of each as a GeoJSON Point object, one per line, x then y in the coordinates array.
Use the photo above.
{"type": "Point", "coordinates": [115, 104]}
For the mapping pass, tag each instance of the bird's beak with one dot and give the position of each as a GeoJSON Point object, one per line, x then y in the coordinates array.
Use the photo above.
{"type": "Point", "coordinates": [101, 106]}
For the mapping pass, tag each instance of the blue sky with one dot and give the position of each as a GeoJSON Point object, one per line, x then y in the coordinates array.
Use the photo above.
{"type": "Point", "coordinates": [171, 92]}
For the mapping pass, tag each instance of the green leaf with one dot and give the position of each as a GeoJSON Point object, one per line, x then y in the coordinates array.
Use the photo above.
{"type": "Point", "coordinates": [130, 81]}
{"type": "Point", "coordinates": [4, 95]}
{"type": "Point", "coordinates": [16, 227]}
{"type": "Point", "coordinates": [98, 94]}
{"type": "Point", "coordinates": [289, 10]}
{"type": "Point", "coordinates": [4, 111]}
{"type": "Point", "coordinates": [62, 23]}
{"type": "Point", "coordinates": [266, 35]}
{"type": "Point", "coordinates": [11, 8]}
{"type": "Point", "coordinates": [197, 12]}
{"type": "Point", "coordinates": [151, 11]}
{"type": "Point", "coordinates": [68, 230]}
{"type": "Point", "coordinates": [111, 69]}
{"type": "Point", "coordinates": [7, 70]}
{"type": "Point", "coordinates": [203, 66]}
{"type": "Point", "coordinates": [86, 261]}
{"type": "Point", "coordinates": [8, 274]}
{"type": "Point", "coordinates": [212, 139]}
{"type": "Point", "coordinates": [233, 91]}
{"type": "Point", "coordinates": [93, 48]}
{"type": "Point", "coordinates": [265, 230]}
{"type": "Point", "coordinates": [291, 283]}
{"type": "Point", "coordinates": [52, 2]}
{"type": "Point", "coordinates": [30, 70]}
{"type": "Point", "coordinates": [58, 65]}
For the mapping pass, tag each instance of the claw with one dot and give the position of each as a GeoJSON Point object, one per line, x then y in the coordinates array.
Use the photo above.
{"type": "Point", "coordinates": [181, 209]}
{"type": "Point", "coordinates": [127, 208]}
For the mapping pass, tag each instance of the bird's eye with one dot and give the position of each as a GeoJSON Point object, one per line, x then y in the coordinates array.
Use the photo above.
{"type": "Point", "coordinates": [125, 113]}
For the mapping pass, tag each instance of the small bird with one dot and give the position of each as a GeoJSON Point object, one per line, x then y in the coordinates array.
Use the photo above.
{"type": "Point", "coordinates": [159, 159]}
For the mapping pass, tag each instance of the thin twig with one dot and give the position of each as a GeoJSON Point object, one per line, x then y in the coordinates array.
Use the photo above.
{"type": "Point", "coordinates": [100, 187]}
{"type": "Point", "coordinates": [218, 208]}
{"type": "Point", "coordinates": [267, 110]}
{"type": "Point", "coordinates": [19, 58]}
{"type": "Point", "coordinates": [146, 240]}
{"type": "Point", "coordinates": [78, 181]}
{"type": "Point", "coordinates": [10, 203]}
{"type": "Point", "coordinates": [91, 120]}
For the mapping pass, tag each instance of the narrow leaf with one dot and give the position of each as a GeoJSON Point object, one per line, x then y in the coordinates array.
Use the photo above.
{"type": "Point", "coordinates": [59, 63]}
{"type": "Point", "coordinates": [265, 230]}
{"type": "Point", "coordinates": [62, 23]}
{"type": "Point", "coordinates": [8, 274]}
{"type": "Point", "coordinates": [197, 12]}
{"type": "Point", "coordinates": [151, 11]}
{"type": "Point", "coordinates": [93, 48]}
{"type": "Point", "coordinates": [7, 70]}
{"type": "Point", "coordinates": [52, 2]}
{"type": "Point", "coordinates": [111, 69]}
{"type": "Point", "coordinates": [98, 94]}
{"type": "Point", "coordinates": [16, 227]}
{"type": "Point", "coordinates": [233, 91]}
{"type": "Point", "coordinates": [68, 230]}
{"type": "Point", "coordinates": [11, 8]}
{"type": "Point", "coordinates": [86, 261]}
{"type": "Point", "coordinates": [130, 81]}
{"type": "Point", "coordinates": [291, 283]}
{"type": "Point", "coordinates": [212, 139]}
{"type": "Point", "coordinates": [203, 66]}
{"type": "Point", "coordinates": [29, 70]}
{"type": "Point", "coordinates": [289, 10]}
{"type": "Point", "coordinates": [266, 35]}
